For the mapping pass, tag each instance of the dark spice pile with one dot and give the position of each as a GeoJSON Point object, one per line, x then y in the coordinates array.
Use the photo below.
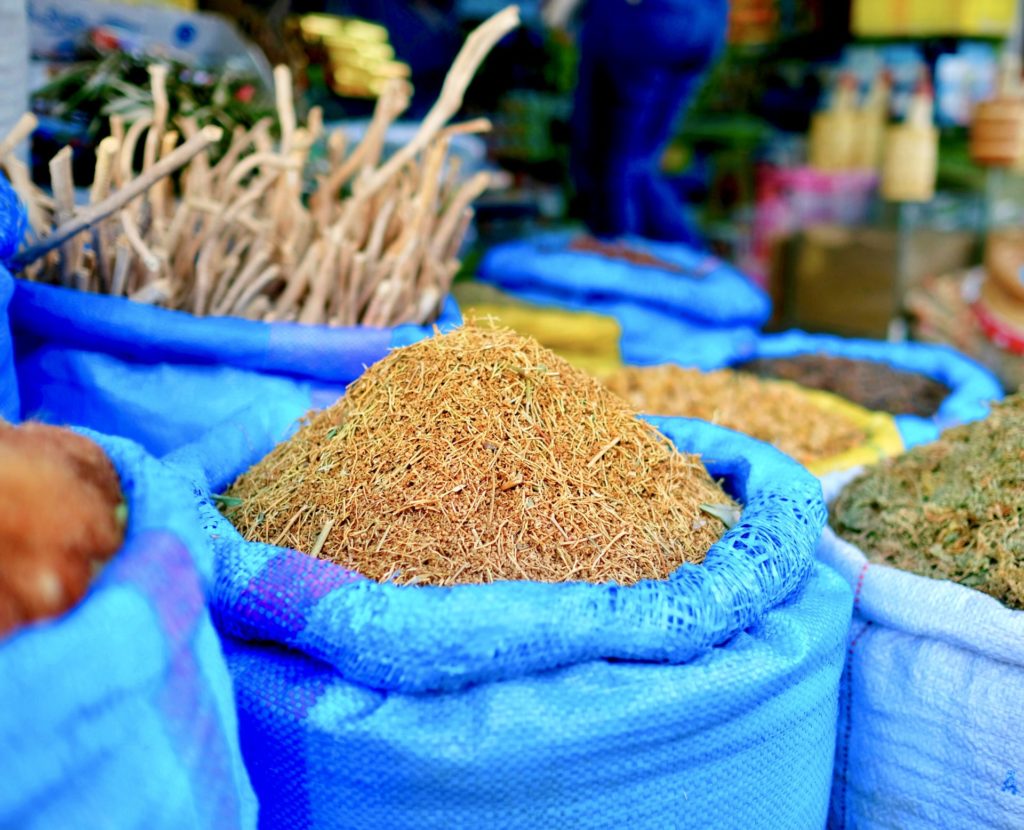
{"type": "Point", "coordinates": [624, 253]}
{"type": "Point", "coordinates": [772, 411]}
{"type": "Point", "coordinates": [871, 384]}
{"type": "Point", "coordinates": [61, 519]}
{"type": "Point", "coordinates": [953, 509]}
{"type": "Point", "coordinates": [478, 456]}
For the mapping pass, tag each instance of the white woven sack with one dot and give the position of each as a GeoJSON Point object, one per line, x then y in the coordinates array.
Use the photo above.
{"type": "Point", "coordinates": [931, 710]}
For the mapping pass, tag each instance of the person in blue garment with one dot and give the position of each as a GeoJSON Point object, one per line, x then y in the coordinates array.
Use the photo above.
{"type": "Point", "coordinates": [640, 63]}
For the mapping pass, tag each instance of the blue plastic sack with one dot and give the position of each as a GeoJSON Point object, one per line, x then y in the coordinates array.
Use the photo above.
{"type": "Point", "coordinates": [12, 227]}
{"type": "Point", "coordinates": [930, 731]}
{"type": "Point", "coordinates": [707, 307]}
{"type": "Point", "coordinates": [9, 405]}
{"type": "Point", "coordinates": [651, 336]}
{"type": "Point", "coordinates": [164, 377]}
{"type": "Point", "coordinates": [120, 713]}
{"type": "Point", "coordinates": [972, 387]}
{"type": "Point", "coordinates": [704, 700]}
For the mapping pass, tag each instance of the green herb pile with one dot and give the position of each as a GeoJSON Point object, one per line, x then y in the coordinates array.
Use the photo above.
{"type": "Point", "coordinates": [118, 83]}
{"type": "Point", "coordinates": [952, 510]}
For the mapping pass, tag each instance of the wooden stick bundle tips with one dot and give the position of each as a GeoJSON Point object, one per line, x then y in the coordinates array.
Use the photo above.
{"type": "Point", "coordinates": [375, 242]}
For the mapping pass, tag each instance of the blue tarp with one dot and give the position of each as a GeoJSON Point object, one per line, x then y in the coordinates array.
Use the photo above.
{"type": "Point", "coordinates": [707, 308]}
{"type": "Point", "coordinates": [10, 407]}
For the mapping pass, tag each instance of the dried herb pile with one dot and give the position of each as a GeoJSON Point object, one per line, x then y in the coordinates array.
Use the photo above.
{"type": "Point", "coordinates": [771, 411]}
{"type": "Point", "coordinates": [477, 456]}
{"type": "Point", "coordinates": [869, 383]}
{"type": "Point", "coordinates": [624, 253]}
{"type": "Point", "coordinates": [620, 251]}
{"type": "Point", "coordinates": [953, 509]}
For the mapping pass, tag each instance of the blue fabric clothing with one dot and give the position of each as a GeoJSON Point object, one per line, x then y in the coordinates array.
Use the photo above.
{"type": "Point", "coordinates": [639, 64]}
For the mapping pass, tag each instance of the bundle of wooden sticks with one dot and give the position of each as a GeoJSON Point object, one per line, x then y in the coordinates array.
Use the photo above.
{"type": "Point", "coordinates": [376, 243]}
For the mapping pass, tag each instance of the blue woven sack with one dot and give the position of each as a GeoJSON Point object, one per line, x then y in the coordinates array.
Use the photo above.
{"type": "Point", "coordinates": [972, 387]}
{"type": "Point", "coordinates": [9, 406]}
{"type": "Point", "coordinates": [707, 699]}
{"type": "Point", "coordinates": [706, 304]}
{"type": "Point", "coordinates": [120, 713]}
{"type": "Point", "coordinates": [12, 225]}
{"type": "Point", "coordinates": [164, 377]}
{"type": "Point", "coordinates": [930, 728]}
{"type": "Point", "coordinates": [930, 716]}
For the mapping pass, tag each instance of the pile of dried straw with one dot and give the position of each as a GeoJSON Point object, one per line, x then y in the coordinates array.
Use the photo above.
{"type": "Point", "coordinates": [772, 411]}
{"type": "Point", "coordinates": [478, 456]}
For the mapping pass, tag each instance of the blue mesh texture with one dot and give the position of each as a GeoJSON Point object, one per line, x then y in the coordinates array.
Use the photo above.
{"type": "Point", "coordinates": [972, 387]}
{"type": "Point", "coordinates": [9, 404]}
{"type": "Point", "coordinates": [704, 700]}
{"type": "Point", "coordinates": [423, 638]}
{"type": "Point", "coordinates": [164, 377]}
{"type": "Point", "coordinates": [121, 713]}
{"type": "Point", "coordinates": [712, 293]}
{"type": "Point", "coordinates": [741, 737]}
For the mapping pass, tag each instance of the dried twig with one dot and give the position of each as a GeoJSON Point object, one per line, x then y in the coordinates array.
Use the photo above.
{"type": "Point", "coordinates": [376, 245]}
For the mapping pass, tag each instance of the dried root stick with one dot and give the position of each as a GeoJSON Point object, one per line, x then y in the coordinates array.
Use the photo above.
{"type": "Point", "coordinates": [475, 49]}
{"type": "Point", "coordinates": [114, 202]}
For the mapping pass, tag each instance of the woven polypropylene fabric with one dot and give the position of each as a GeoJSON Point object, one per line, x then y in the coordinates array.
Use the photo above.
{"type": "Point", "coordinates": [9, 405]}
{"type": "Point", "coordinates": [370, 705]}
{"type": "Point", "coordinates": [423, 638]}
{"type": "Point", "coordinates": [707, 291]}
{"type": "Point", "coordinates": [120, 713]}
{"type": "Point", "coordinates": [651, 335]}
{"type": "Point", "coordinates": [742, 737]}
{"type": "Point", "coordinates": [930, 730]}
{"type": "Point", "coordinates": [162, 377]}
{"type": "Point", "coordinates": [972, 387]}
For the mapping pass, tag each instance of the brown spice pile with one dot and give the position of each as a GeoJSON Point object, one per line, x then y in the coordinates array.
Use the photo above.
{"type": "Point", "coordinates": [477, 456]}
{"type": "Point", "coordinates": [624, 253]}
{"type": "Point", "coordinates": [869, 383]}
{"type": "Point", "coordinates": [953, 509]}
{"type": "Point", "coordinates": [771, 411]}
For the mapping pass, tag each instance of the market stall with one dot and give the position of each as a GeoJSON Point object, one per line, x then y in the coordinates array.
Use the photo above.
{"type": "Point", "coordinates": [438, 415]}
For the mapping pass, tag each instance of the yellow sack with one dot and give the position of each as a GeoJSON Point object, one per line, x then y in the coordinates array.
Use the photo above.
{"type": "Point", "coordinates": [587, 340]}
{"type": "Point", "coordinates": [883, 436]}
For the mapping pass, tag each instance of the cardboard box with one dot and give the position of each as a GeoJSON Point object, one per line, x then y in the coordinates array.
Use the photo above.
{"type": "Point", "coordinates": [844, 280]}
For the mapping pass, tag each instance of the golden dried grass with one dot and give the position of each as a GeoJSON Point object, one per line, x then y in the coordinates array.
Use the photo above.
{"type": "Point", "coordinates": [478, 456]}
{"type": "Point", "coordinates": [772, 411]}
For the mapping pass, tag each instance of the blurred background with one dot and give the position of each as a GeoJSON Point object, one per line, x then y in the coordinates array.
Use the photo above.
{"type": "Point", "coordinates": [772, 155]}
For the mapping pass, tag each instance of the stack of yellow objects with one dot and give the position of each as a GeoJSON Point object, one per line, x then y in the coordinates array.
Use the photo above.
{"type": "Point", "coordinates": [588, 341]}
{"type": "Point", "coordinates": [361, 57]}
{"type": "Point", "coordinates": [921, 18]}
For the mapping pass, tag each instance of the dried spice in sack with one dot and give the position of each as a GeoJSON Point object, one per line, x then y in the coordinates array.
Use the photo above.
{"type": "Point", "coordinates": [771, 411]}
{"type": "Point", "coordinates": [61, 518]}
{"type": "Point", "coordinates": [953, 509]}
{"type": "Point", "coordinates": [477, 456]}
{"type": "Point", "coordinates": [624, 253]}
{"type": "Point", "coordinates": [869, 383]}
